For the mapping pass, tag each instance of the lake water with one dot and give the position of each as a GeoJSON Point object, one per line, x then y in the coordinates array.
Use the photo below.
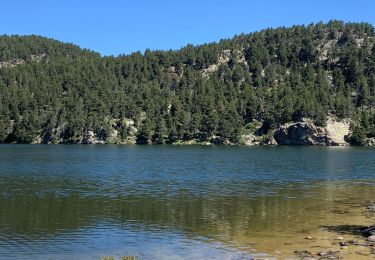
{"type": "Point", "coordinates": [178, 202]}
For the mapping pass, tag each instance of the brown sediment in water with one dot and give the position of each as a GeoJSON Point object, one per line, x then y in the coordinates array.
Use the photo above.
{"type": "Point", "coordinates": [315, 226]}
{"type": "Point", "coordinates": [324, 237]}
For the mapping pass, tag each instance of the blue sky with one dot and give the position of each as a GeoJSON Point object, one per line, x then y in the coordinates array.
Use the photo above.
{"type": "Point", "coordinates": [112, 27]}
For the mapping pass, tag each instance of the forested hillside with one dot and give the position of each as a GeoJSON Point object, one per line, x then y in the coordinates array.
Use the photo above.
{"type": "Point", "coordinates": [53, 92]}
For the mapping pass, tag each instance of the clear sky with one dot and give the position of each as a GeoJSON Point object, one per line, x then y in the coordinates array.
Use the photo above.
{"type": "Point", "coordinates": [112, 27]}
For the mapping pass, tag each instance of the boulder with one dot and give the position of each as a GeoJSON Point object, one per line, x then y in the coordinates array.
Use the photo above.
{"type": "Point", "coordinates": [250, 139]}
{"type": "Point", "coordinates": [299, 133]}
{"type": "Point", "coordinates": [307, 133]}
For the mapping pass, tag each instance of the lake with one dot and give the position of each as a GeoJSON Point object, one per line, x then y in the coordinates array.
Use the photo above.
{"type": "Point", "coordinates": [178, 202]}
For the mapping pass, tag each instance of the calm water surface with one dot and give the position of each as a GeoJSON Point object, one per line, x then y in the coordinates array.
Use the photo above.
{"type": "Point", "coordinates": [175, 202]}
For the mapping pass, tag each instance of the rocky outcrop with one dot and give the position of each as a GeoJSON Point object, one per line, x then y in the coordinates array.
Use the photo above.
{"type": "Point", "coordinates": [125, 131]}
{"type": "Point", "coordinates": [224, 57]}
{"type": "Point", "coordinates": [337, 131]}
{"type": "Point", "coordinates": [89, 137]}
{"type": "Point", "coordinates": [253, 139]}
{"type": "Point", "coordinates": [369, 141]}
{"type": "Point", "coordinates": [11, 63]}
{"type": "Point", "coordinates": [15, 62]}
{"type": "Point", "coordinates": [307, 133]}
{"type": "Point", "coordinates": [300, 133]}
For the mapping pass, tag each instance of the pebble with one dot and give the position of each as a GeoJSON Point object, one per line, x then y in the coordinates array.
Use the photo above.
{"type": "Point", "coordinates": [324, 253]}
{"type": "Point", "coordinates": [362, 253]}
{"type": "Point", "coordinates": [339, 238]}
{"type": "Point", "coordinates": [371, 238]}
{"type": "Point", "coordinates": [309, 237]}
{"type": "Point", "coordinates": [329, 253]}
{"type": "Point", "coordinates": [303, 253]}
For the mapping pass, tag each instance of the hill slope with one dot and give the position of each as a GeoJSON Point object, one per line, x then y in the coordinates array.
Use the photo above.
{"type": "Point", "coordinates": [253, 86]}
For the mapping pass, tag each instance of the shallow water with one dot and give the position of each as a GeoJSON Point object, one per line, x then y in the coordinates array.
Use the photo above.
{"type": "Point", "coordinates": [178, 202]}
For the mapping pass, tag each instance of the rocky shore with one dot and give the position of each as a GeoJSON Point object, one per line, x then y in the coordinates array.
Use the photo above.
{"type": "Point", "coordinates": [363, 247]}
{"type": "Point", "coordinates": [305, 132]}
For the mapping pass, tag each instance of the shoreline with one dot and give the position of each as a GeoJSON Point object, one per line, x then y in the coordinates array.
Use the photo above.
{"type": "Point", "coordinates": [195, 144]}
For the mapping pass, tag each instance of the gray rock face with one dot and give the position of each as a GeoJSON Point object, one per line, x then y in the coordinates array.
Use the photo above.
{"type": "Point", "coordinates": [90, 138]}
{"type": "Point", "coordinates": [307, 133]}
{"type": "Point", "coordinates": [250, 140]}
{"type": "Point", "coordinates": [298, 134]}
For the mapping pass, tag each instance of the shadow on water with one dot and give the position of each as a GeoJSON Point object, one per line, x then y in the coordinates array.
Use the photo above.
{"type": "Point", "coordinates": [345, 229]}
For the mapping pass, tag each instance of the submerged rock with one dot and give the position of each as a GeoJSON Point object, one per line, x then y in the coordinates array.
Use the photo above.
{"type": "Point", "coordinates": [362, 253]}
{"type": "Point", "coordinates": [371, 238]}
{"type": "Point", "coordinates": [368, 231]}
{"type": "Point", "coordinates": [330, 254]}
{"type": "Point", "coordinates": [304, 254]}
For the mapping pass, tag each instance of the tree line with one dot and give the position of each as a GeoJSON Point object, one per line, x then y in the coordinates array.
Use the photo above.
{"type": "Point", "coordinates": [211, 92]}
